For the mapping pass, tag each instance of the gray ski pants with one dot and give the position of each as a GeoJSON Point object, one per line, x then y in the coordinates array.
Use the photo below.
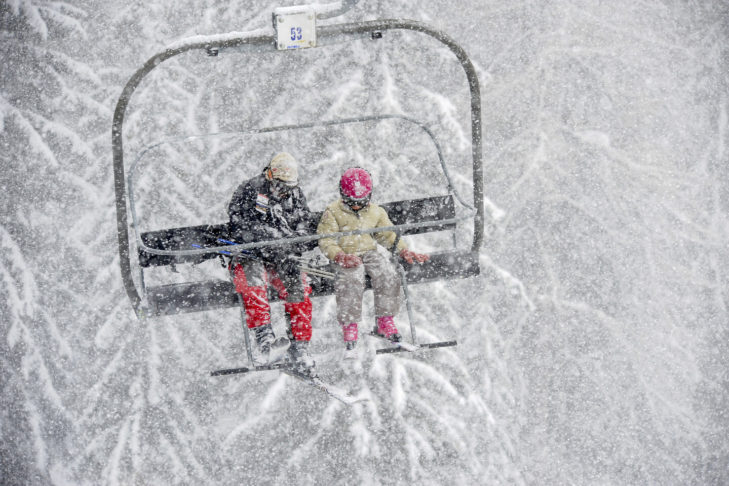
{"type": "Point", "coordinates": [350, 284]}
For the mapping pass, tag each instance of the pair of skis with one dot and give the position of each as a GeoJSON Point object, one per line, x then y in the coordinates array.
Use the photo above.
{"type": "Point", "coordinates": [316, 382]}
{"type": "Point", "coordinates": [285, 367]}
{"type": "Point", "coordinates": [278, 362]}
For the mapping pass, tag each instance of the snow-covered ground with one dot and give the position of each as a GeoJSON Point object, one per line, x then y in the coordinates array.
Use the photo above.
{"type": "Point", "coordinates": [592, 348]}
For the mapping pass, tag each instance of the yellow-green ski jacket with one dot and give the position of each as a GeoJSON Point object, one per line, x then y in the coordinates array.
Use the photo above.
{"type": "Point", "coordinates": [339, 217]}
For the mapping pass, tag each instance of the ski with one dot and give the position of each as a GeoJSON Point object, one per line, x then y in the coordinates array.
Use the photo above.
{"type": "Point", "coordinates": [274, 360]}
{"type": "Point", "coordinates": [285, 367]}
{"type": "Point", "coordinates": [399, 345]}
{"type": "Point", "coordinates": [331, 390]}
{"type": "Point", "coordinates": [403, 346]}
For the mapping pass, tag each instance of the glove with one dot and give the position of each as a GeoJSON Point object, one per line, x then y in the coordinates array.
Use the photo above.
{"type": "Point", "coordinates": [412, 257]}
{"type": "Point", "coordinates": [347, 261]}
{"type": "Point", "coordinates": [288, 268]}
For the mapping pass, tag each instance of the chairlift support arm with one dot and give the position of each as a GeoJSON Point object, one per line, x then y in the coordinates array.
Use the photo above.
{"type": "Point", "coordinates": [212, 44]}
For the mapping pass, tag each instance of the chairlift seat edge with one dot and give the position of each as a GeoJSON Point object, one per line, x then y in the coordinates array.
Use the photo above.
{"type": "Point", "coordinates": [186, 297]}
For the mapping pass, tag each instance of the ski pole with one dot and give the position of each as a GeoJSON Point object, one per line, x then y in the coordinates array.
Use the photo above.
{"type": "Point", "coordinates": [301, 262]}
{"type": "Point", "coordinates": [404, 282]}
{"type": "Point", "coordinates": [221, 252]}
{"type": "Point", "coordinates": [317, 272]}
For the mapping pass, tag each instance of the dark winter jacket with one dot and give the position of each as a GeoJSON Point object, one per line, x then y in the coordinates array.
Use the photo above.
{"type": "Point", "coordinates": [256, 215]}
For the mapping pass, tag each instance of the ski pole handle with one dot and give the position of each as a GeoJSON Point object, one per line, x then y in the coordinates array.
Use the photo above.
{"type": "Point", "coordinates": [221, 252]}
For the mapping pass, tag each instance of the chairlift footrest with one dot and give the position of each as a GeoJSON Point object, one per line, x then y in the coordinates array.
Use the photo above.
{"type": "Point", "coordinates": [248, 369]}
{"type": "Point", "coordinates": [401, 349]}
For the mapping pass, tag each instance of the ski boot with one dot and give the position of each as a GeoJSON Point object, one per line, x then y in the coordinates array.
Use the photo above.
{"type": "Point", "coordinates": [299, 358]}
{"type": "Point", "coordinates": [264, 338]}
{"type": "Point", "coordinates": [385, 328]}
{"type": "Point", "coordinates": [351, 362]}
{"type": "Point", "coordinates": [271, 349]}
{"type": "Point", "coordinates": [350, 335]}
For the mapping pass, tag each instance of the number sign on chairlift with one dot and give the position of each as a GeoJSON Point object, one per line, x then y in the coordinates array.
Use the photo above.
{"type": "Point", "coordinates": [295, 27]}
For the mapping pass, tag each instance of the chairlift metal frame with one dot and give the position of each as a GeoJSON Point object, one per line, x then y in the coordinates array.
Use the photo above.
{"type": "Point", "coordinates": [255, 42]}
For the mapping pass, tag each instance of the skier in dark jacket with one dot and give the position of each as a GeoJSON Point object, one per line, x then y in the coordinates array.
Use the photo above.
{"type": "Point", "coordinates": [272, 206]}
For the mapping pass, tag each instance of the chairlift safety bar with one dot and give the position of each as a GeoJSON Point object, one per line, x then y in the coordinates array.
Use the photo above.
{"type": "Point", "coordinates": [239, 247]}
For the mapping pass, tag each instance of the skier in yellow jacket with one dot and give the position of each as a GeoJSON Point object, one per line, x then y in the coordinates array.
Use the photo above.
{"type": "Point", "coordinates": [356, 255]}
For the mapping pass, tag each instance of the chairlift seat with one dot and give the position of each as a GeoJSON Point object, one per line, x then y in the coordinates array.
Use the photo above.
{"type": "Point", "coordinates": [219, 293]}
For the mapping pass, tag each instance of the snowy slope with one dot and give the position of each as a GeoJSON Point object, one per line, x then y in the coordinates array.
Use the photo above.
{"type": "Point", "coordinates": [592, 348]}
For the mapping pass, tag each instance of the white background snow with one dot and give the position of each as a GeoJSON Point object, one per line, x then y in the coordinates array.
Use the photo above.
{"type": "Point", "coordinates": [592, 348]}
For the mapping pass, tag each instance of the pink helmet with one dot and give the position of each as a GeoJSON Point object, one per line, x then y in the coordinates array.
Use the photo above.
{"type": "Point", "coordinates": [355, 186]}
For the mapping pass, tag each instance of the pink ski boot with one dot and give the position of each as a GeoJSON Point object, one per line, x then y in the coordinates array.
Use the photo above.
{"type": "Point", "coordinates": [386, 328]}
{"type": "Point", "coordinates": [350, 335]}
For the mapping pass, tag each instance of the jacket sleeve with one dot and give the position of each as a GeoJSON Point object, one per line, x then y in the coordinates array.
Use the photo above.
{"type": "Point", "coordinates": [247, 223]}
{"type": "Point", "coordinates": [387, 238]}
{"type": "Point", "coordinates": [305, 223]}
{"type": "Point", "coordinates": [328, 224]}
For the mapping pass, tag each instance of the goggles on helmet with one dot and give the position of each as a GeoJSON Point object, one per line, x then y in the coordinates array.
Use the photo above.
{"type": "Point", "coordinates": [356, 204]}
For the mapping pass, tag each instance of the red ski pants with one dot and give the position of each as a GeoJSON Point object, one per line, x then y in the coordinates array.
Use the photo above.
{"type": "Point", "coordinates": [252, 279]}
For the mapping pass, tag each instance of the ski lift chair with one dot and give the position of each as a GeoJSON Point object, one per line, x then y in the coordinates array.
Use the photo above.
{"type": "Point", "coordinates": [189, 245]}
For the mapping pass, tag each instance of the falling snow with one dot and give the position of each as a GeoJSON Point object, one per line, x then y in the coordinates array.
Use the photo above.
{"type": "Point", "coordinates": [593, 346]}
